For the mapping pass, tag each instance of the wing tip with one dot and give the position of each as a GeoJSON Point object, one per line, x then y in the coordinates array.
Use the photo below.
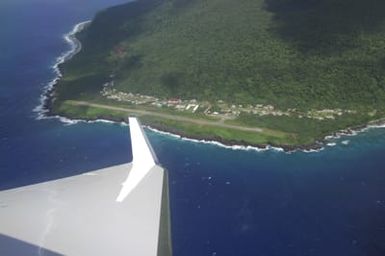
{"type": "Point", "coordinates": [135, 123]}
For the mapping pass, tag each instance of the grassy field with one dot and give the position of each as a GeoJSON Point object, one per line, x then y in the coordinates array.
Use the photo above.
{"type": "Point", "coordinates": [185, 127]}
{"type": "Point", "coordinates": [279, 131]}
{"type": "Point", "coordinates": [287, 53]}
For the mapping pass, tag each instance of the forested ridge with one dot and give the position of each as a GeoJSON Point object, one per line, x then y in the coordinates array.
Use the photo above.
{"type": "Point", "coordinates": [289, 53]}
{"type": "Point", "coordinates": [305, 55]}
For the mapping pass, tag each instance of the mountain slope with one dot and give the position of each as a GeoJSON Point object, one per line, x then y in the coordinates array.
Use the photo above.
{"type": "Point", "coordinates": [292, 54]}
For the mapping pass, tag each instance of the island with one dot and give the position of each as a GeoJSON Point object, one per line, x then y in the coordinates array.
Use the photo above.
{"type": "Point", "coordinates": [254, 72]}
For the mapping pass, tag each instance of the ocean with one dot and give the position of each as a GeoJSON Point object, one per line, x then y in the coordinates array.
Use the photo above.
{"type": "Point", "coordinates": [224, 201]}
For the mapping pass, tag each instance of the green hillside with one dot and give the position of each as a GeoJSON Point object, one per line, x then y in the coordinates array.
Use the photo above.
{"type": "Point", "coordinates": [292, 54]}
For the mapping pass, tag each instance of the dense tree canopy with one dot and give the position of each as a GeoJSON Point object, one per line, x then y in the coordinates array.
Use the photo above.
{"type": "Point", "coordinates": [289, 53]}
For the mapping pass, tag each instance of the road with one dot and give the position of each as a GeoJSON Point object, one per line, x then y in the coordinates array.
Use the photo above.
{"type": "Point", "coordinates": [167, 116]}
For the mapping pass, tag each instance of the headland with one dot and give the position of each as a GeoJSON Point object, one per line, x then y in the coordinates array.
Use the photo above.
{"type": "Point", "coordinates": [220, 78]}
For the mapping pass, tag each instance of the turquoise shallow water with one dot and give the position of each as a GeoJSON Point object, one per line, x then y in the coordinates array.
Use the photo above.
{"type": "Point", "coordinates": [223, 201]}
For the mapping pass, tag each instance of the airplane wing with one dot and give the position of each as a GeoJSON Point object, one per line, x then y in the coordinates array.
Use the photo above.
{"type": "Point", "coordinates": [119, 210]}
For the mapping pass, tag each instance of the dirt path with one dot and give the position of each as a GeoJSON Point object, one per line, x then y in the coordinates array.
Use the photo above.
{"type": "Point", "coordinates": [167, 116]}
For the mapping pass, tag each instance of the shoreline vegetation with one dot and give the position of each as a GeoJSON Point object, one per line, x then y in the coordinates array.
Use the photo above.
{"type": "Point", "coordinates": [318, 145]}
{"type": "Point", "coordinates": [103, 94]}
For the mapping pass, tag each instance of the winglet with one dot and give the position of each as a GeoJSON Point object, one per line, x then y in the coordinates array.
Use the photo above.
{"type": "Point", "coordinates": [143, 159]}
{"type": "Point", "coordinates": [138, 126]}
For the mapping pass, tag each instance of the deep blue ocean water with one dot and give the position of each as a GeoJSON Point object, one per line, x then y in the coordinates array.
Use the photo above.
{"type": "Point", "coordinates": [223, 201]}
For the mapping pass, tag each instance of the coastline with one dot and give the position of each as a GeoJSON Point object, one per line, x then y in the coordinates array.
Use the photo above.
{"type": "Point", "coordinates": [327, 141]}
{"type": "Point", "coordinates": [44, 111]}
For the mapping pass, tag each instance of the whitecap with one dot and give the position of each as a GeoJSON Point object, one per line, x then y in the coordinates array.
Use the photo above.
{"type": "Point", "coordinates": [313, 150]}
{"type": "Point", "coordinates": [345, 142]}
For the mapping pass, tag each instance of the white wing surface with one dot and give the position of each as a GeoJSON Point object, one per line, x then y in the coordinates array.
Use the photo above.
{"type": "Point", "coordinates": [92, 214]}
